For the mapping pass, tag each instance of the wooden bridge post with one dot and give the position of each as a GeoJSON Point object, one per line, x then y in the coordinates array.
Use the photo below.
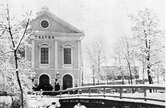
{"type": "Point", "coordinates": [145, 93]}
{"type": "Point", "coordinates": [120, 91]}
{"type": "Point", "coordinates": [78, 91]}
{"type": "Point", "coordinates": [60, 93]}
{"type": "Point", "coordinates": [89, 90]}
{"type": "Point", "coordinates": [104, 90]}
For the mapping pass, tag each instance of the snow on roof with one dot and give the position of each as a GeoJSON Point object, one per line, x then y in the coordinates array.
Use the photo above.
{"type": "Point", "coordinates": [45, 10]}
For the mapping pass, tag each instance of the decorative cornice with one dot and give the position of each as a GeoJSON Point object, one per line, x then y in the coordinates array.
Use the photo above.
{"type": "Point", "coordinates": [57, 34]}
{"type": "Point", "coordinates": [60, 69]}
{"type": "Point", "coordinates": [38, 35]}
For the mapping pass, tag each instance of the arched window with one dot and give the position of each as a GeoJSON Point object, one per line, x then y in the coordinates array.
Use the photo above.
{"type": "Point", "coordinates": [44, 54]}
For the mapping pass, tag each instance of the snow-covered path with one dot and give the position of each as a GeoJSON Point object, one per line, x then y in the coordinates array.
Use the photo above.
{"type": "Point", "coordinates": [38, 101]}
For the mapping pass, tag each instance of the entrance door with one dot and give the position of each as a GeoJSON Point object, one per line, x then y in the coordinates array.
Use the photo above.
{"type": "Point", "coordinates": [44, 83]}
{"type": "Point", "coordinates": [44, 79]}
{"type": "Point", "coordinates": [67, 81]}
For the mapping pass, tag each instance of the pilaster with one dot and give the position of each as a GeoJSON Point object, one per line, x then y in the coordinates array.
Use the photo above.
{"type": "Point", "coordinates": [56, 55]}
{"type": "Point", "coordinates": [33, 54]}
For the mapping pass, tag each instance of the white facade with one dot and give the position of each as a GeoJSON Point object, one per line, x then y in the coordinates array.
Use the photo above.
{"type": "Point", "coordinates": [55, 49]}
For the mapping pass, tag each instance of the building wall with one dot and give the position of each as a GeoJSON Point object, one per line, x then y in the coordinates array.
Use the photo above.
{"type": "Point", "coordinates": [57, 35]}
{"type": "Point", "coordinates": [56, 64]}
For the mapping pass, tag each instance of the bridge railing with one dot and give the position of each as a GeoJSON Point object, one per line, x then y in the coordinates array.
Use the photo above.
{"type": "Point", "coordinates": [138, 92]}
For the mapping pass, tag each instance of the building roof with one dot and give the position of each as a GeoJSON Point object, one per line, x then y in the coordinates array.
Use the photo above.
{"type": "Point", "coordinates": [70, 28]}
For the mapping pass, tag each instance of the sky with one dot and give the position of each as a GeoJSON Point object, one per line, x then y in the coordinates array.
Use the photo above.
{"type": "Point", "coordinates": [105, 20]}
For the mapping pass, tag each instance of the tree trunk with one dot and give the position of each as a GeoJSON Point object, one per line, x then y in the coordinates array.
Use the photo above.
{"type": "Point", "coordinates": [98, 68]}
{"type": "Point", "coordinates": [149, 76]}
{"type": "Point", "coordinates": [18, 78]}
{"type": "Point", "coordinates": [147, 43]}
{"type": "Point", "coordinates": [130, 72]}
{"type": "Point", "coordinates": [122, 77]}
{"type": "Point", "coordinates": [143, 72]}
{"type": "Point", "coordinates": [93, 75]}
{"type": "Point", "coordinates": [148, 64]}
{"type": "Point", "coordinates": [82, 78]}
{"type": "Point", "coordinates": [148, 46]}
{"type": "Point", "coordinates": [122, 80]}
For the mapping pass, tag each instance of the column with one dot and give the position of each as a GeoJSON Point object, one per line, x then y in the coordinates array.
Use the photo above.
{"type": "Point", "coordinates": [79, 63]}
{"type": "Point", "coordinates": [33, 54]}
{"type": "Point", "coordinates": [56, 55]}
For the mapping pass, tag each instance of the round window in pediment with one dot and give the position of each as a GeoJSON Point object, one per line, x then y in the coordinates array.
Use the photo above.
{"type": "Point", "coordinates": [44, 24]}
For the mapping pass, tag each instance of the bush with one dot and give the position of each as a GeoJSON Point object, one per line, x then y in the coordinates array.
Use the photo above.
{"type": "Point", "coordinates": [16, 103]}
{"type": "Point", "coordinates": [3, 93]}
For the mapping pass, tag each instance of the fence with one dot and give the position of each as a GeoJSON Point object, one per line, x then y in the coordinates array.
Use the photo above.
{"type": "Point", "coordinates": [137, 92]}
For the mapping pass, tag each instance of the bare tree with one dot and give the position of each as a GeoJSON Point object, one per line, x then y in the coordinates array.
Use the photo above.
{"type": "Point", "coordinates": [126, 51]}
{"type": "Point", "coordinates": [118, 58]}
{"type": "Point", "coordinates": [146, 30]}
{"type": "Point", "coordinates": [16, 33]}
{"type": "Point", "coordinates": [95, 53]}
{"type": "Point", "coordinates": [141, 58]}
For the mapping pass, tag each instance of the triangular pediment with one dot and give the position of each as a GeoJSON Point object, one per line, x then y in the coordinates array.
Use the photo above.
{"type": "Point", "coordinates": [51, 23]}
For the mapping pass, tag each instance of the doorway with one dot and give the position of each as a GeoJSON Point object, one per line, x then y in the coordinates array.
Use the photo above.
{"type": "Point", "coordinates": [44, 79]}
{"type": "Point", "coordinates": [67, 81]}
{"type": "Point", "coordinates": [44, 83]}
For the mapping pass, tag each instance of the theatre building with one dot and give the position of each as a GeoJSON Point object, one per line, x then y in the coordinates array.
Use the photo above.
{"type": "Point", "coordinates": [55, 50]}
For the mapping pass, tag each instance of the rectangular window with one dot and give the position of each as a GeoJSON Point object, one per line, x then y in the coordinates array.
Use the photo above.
{"type": "Point", "coordinates": [44, 55]}
{"type": "Point", "coordinates": [67, 55]}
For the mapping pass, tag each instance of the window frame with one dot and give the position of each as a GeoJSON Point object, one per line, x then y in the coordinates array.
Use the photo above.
{"type": "Point", "coordinates": [44, 26]}
{"type": "Point", "coordinates": [67, 58]}
{"type": "Point", "coordinates": [44, 20]}
{"type": "Point", "coordinates": [44, 46]}
{"type": "Point", "coordinates": [45, 56]}
{"type": "Point", "coordinates": [67, 65]}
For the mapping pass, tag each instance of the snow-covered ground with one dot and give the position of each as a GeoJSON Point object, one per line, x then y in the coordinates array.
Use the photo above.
{"type": "Point", "coordinates": [6, 99]}
{"type": "Point", "coordinates": [35, 101]}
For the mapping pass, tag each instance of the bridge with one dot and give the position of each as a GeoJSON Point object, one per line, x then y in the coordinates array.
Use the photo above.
{"type": "Point", "coordinates": [106, 96]}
